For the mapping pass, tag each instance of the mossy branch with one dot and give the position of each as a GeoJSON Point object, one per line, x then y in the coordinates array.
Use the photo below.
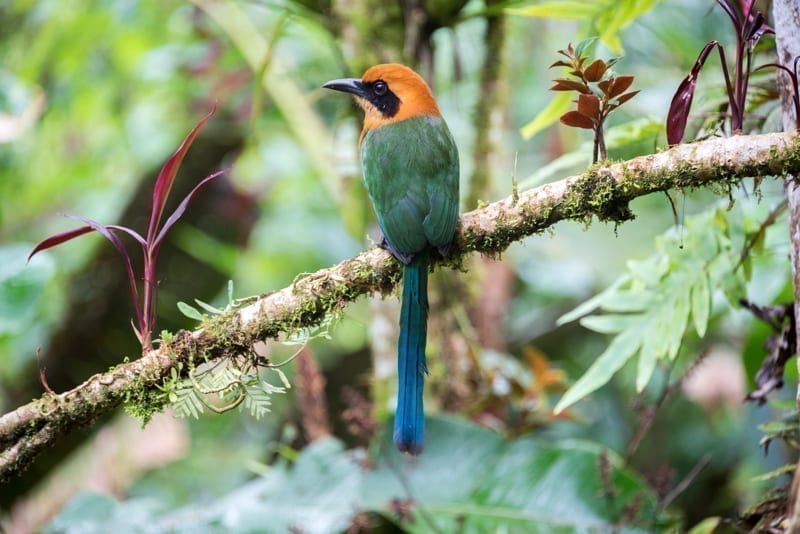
{"type": "Point", "coordinates": [602, 191]}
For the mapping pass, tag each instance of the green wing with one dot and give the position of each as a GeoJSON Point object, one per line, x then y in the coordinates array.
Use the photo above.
{"type": "Point", "coordinates": [411, 173]}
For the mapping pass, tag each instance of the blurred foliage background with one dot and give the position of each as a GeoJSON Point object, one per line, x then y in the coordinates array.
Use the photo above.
{"type": "Point", "coordinates": [95, 96]}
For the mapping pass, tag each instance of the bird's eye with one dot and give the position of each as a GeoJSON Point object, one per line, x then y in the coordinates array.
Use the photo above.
{"type": "Point", "coordinates": [380, 88]}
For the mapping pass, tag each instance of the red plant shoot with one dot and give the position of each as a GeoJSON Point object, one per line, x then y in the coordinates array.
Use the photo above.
{"type": "Point", "coordinates": [749, 28]}
{"type": "Point", "coordinates": [144, 306]}
{"type": "Point", "coordinates": [600, 91]}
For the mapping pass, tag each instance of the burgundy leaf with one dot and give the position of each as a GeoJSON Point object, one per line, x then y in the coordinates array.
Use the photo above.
{"type": "Point", "coordinates": [565, 84]}
{"type": "Point", "coordinates": [589, 106]}
{"type": "Point", "coordinates": [627, 96]}
{"type": "Point", "coordinates": [166, 178]}
{"type": "Point", "coordinates": [179, 211]}
{"type": "Point", "coordinates": [577, 120]}
{"type": "Point", "coordinates": [732, 9]}
{"type": "Point", "coordinates": [752, 29]}
{"type": "Point", "coordinates": [678, 113]}
{"type": "Point", "coordinates": [559, 63]}
{"type": "Point", "coordinates": [109, 234]}
{"type": "Point", "coordinates": [620, 85]}
{"type": "Point", "coordinates": [595, 71]}
{"type": "Point", "coordinates": [133, 233]}
{"type": "Point", "coordinates": [59, 238]}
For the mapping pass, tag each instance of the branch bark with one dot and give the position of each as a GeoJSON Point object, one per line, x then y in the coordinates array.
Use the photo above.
{"type": "Point", "coordinates": [602, 191]}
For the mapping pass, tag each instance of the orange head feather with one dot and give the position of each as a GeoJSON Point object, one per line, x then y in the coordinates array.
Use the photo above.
{"type": "Point", "coordinates": [388, 93]}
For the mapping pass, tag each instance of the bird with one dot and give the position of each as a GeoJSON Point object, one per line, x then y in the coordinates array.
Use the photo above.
{"type": "Point", "coordinates": [411, 171]}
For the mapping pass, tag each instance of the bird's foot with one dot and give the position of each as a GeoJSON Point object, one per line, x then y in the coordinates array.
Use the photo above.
{"type": "Point", "coordinates": [405, 259]}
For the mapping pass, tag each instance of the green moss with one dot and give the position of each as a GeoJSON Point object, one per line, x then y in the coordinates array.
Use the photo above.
{"type": "Point", "coordinates": [141, 400]}
{"type": "Point", "coordinates": [596, 194]}
{"type": "Point", "coordinates": [791, 157]}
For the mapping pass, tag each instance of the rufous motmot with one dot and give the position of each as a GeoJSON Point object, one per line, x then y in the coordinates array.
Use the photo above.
{"type": "Point", "coordinates": [410, 165]}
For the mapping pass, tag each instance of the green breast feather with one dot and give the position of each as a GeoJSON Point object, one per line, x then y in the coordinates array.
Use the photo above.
{"type": "Point", "coordinates": [411, 173]}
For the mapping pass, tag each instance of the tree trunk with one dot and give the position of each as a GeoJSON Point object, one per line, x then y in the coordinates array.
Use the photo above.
{"type": "Point", "coordinates": [787, 35]}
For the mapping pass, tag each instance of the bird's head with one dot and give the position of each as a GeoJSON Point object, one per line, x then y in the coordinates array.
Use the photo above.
{"type": "Point", "coordinates": [388, 93]}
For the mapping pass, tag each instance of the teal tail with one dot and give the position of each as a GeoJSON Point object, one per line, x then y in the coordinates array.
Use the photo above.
{"type": "Point", "coordinates": [409, 421]}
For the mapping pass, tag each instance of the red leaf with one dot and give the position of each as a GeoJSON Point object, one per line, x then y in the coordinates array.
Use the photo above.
{"type": "Point", "coordinates": [139, 239]}
{"type": "Point", "coordinates": [627, 96]}
{"type": "Point", "coordinates": [559, 63]}
{"type": "Point", "coordinates": [595, 71]}
{"type": "Point", "coordinates": [59, 238]}
{"type": "Point", "coordinates": [589, 106]}
{"type": "Point", "coordinates": [619, 86]}
{"type": "Point", "coordinates": [179, 211]}
{"type": "Point", "coordinates": [678, 113]}
{"type": "Point", "coordinates": [577, 120]}
{"type": "Point", "coordinates": [166, 177]}
{"type": "Point", "coordinates": [732, 9]}
{"type": "Point", "coordinates": [108, 233]}
{"type": "Point", "coordinates": [565, 84]}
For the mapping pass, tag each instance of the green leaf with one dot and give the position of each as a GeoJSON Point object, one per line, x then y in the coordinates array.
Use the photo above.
{"type": "Point", "coordinates": [609, 324]}
{"type": "Point", "coordinates": [208, 307]}
{"type": "Point", "coordinates": [706, 526]}
{"type": "Point", "coordinates": [675, 322]}
{"type": "Point", "coordinates": [621, 349]}
{"type": "Point", "coordinates": [775, 473]}
{"type": "Point", "coordinates": [593, 303]}
{"type": "Point", "coordinates": [549, 115]}
{"type": "Point", "coordinates": [648, 356]}
{"type": "Point", "coordinates": [190, 311]}
{"type": "Point", "coordinates": [581, 47]}
{"type": "Point", "coordinates": [616, 17]}
{"type": "Point", "coordinates": [566, 9]}
{"type": "Point", "coordinates": [701, 304]}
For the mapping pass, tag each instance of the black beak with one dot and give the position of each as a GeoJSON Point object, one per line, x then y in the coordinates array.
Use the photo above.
{"type": "Point", "coordinates": [347, 85]}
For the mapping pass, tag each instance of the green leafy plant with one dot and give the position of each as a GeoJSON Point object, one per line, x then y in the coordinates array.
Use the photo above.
{"type": "Point", "coordinates": [233, 382]}
{"type": "Point", "coordinates": [648, 309]}
{"type": "Point", "coordinates": [600, 91]}
{"type": "Point", "coordinates": [144, 300]}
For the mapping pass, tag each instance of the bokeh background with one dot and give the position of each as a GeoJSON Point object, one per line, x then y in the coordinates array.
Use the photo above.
{"type": "Point", "coordinates": [95, 96]}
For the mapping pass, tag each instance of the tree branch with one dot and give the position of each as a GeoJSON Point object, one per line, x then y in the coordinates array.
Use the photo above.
{"type": "Point", "coordinates": [602, 191]}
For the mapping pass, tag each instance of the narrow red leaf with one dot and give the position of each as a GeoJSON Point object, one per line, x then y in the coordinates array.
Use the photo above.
{"type": "Point", "coordinates": [559, 63]}
{"type": "Point", "coordinates": [565, 84]}
{"type": "Point", "coordinates": [577, 120]}
{"type": "Point", "coordinates": [732, 9]}
{"type": "Point", "coordinates": [133, 233]}
{"type": "Point", "coordinates": [59, 238]}
{"type": "Point", "coordinates": [589, 106]}
{"type": "Point", "coordinates": [166, 178]}
{"type": "Point", "coordinates": [181, 209]}
{"type": "Point", "coordinates": [595, 71]}
{"type": "Point", "coordinates": [109, 234]}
